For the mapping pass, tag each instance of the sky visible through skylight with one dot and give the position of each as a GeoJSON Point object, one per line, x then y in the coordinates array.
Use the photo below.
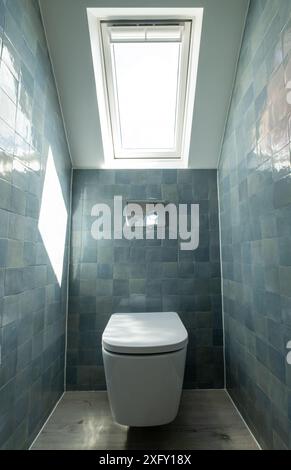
{"type": "Point", "coordinates": [147, 82]}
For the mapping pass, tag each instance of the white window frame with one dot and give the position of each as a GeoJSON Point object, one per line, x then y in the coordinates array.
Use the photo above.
{"type": "Point", "coordinates": [179, 157]}
{"type": "Point", "coordinates": [119, 150]}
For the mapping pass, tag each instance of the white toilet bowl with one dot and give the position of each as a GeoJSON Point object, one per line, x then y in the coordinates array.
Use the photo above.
{"type": "Point", "coordinates": [144, 359]}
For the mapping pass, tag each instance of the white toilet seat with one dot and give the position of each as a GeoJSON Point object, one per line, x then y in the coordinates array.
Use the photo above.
{"type": "Point", "coordinates": [144, 333]}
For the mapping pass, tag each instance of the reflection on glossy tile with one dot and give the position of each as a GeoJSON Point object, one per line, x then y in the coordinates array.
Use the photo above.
{"type": "Point", "coordinates": [280, 135]}
{"type": "Point", "coordinates": [282, 163]}
{"type": "Point", "coordinates": [7, 109]}
{"type": "Point", "coordinates": [32, 313]}
{"type": "Point", "coordinates": [10, 57]}
{"type": "Point", "coordinates": [7, 136]}
{"type": "Point", "coordinates": [8, 82]}
{"type": "Point", "coordinates": [286, 39]}
{"type": "Point", "coordinates": [255, 215]}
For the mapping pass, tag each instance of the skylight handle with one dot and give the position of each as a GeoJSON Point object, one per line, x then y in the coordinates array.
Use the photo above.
{"type": "Point", "coordinates": [140, 33]}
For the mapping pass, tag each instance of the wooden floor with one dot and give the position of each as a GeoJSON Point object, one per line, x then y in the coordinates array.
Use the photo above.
{"type": "Point", "coordinates": [207, 420]}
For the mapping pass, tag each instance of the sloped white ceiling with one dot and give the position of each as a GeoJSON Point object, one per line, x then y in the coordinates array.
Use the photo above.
{"type": "Point", "coordinates": [68, 38]}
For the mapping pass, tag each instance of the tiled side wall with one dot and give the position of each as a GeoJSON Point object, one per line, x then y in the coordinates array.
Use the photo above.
{"type": "Point", "coordinates": [32, 305]}
{"type": "Point", "coordinates": [144, 275]}
{"type": "Point", "coordinates": [255, 205]}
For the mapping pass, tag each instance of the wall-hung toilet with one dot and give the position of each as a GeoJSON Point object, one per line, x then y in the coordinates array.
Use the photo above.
{"type": "Point", "coordinates": [144, 359]}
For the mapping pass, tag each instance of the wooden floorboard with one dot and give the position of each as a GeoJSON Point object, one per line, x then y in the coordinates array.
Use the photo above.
{"type": "Point", "coordinates": [207, 420]}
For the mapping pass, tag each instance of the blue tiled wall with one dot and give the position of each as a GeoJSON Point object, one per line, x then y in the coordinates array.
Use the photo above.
{"type": "Point", "coordinates": [32, 305]}
{"type": "Point", "coordinates": [108, 276]}
{"type": "Point", "coordinates": [255, 206]}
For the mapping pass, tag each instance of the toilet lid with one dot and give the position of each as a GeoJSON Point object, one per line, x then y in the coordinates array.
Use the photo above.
{"type": "Point", "coordinates": [144, 333]}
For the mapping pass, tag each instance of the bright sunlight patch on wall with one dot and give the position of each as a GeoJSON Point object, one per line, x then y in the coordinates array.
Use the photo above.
{"type": "Point", "coordinates": [53, 218]}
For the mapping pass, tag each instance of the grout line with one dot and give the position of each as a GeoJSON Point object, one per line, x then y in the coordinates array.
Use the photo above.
{"type": "Point", "coordinates": [183, 390]}
{"type": "Point", "coordinates": [68, 281]}
{"type": "Point", "coordinates": [46, 421]}
{"type": "Point", "coordinates": [242, 418]}
{"type": "Point", "coordinates": [233, 85]}
{"type": "Point", "coordinates": [221, 278]}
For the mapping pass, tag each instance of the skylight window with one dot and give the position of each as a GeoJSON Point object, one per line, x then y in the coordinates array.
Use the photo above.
{"type": "Point", "coordinates": [146, 69]}
{"type": "Point", "coordinates": [146, 94]}
{"type": "Point", "coordinates": [146, 84]}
